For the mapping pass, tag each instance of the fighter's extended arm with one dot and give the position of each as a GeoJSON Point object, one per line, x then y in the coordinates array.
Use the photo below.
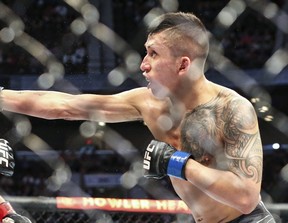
{"type": "Point", "coordinates": [57, 105]}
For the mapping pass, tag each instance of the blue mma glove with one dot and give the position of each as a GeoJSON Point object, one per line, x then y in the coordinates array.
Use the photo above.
{"type": "Point", "coordinates": [161, 159]}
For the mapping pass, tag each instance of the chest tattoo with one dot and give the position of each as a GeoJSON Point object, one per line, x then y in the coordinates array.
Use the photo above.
{"type": "Point", "coordinates": [200, 131]}
{"type": "Point", "coordinates": [226, 131]}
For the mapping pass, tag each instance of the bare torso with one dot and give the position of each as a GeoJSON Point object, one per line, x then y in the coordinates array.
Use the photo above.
{"type": "Point", "coordinates": [199, 132]}
{"type": "Point", "coordinates": [199, 127]}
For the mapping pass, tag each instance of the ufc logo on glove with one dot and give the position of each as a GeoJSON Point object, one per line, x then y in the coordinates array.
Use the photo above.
{"type": "Point", "coordinates": [7, 162]}
{"type": "Point", "coordinates": [161, 159]}
{"type": "Point", "coordinates": [4, 155]}
{"type": "Point", "coordinates": [147, 157]}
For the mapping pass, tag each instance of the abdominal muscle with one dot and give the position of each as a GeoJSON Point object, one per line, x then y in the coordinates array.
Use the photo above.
{"type": "Point", "coordinates": [203, 208]}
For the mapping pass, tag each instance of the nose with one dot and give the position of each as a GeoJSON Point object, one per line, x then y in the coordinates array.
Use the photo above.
{"type": "Point", "coordinates": [145, 65]}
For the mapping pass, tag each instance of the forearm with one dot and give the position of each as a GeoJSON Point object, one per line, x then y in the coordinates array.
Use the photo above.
{"type": "Point", "coordinates": [224, 186]}
{"type": "Point", "coordinates": [17, 101]}
{"type": "Point", "coordinates": [42, 104]}
{"type": "Point", "coordinates": [58, 105]}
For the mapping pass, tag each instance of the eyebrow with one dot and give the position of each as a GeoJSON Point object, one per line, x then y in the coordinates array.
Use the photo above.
{"type": "Point", "coordinates": [148, 45]}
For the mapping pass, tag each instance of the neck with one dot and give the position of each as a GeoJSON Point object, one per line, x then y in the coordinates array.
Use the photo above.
{"type": "Point", "coordinates": [191, 92]}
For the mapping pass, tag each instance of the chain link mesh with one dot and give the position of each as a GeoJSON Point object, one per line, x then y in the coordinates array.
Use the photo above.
{"type": "Point", "coordinates": [80, 217]}
{"type": "Point", "coordinates": [92, 51]}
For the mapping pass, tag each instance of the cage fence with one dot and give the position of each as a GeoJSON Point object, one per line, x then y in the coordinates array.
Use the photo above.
{"type": "Point", "coordinates": [55, 65]}
{"type": "Point", "coordinates": [113, 210]}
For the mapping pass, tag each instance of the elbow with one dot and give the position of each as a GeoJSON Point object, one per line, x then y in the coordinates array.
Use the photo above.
{"type": "Point", "coordinates": [248, 203]}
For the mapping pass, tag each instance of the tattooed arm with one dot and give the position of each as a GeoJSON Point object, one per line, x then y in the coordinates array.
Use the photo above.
{"type": "Point", "coordinates": [235, 177]}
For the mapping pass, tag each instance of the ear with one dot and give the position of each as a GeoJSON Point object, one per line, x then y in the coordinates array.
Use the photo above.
{"type": "Point", "coordinates": [184, 65]}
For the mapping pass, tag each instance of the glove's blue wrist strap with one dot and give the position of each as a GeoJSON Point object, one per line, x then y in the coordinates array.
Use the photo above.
{"type": "Point", "coordinates": [176, 164]}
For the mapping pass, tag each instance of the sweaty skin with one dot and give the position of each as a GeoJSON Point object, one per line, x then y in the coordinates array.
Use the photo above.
{"type": "Point", "coordinates": [182, 108]}
{"type": "Point", "coordinates": [220, 129]}
{"type": "Point", "coordinates": [213, 134]}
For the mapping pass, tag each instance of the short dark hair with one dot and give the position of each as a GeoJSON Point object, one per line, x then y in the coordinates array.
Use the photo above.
{"type": "Point", "coordinates": [182, 28]}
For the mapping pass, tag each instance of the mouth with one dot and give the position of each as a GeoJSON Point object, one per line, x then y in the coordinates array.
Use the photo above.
{"type": "Point", "coordinates": [147, 79]}
{"type": "Point", "coordinates": [149, 84]}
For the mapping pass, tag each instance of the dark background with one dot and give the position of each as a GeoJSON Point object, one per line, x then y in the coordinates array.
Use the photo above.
{"type": "Point", "coordinates": [248, 44]}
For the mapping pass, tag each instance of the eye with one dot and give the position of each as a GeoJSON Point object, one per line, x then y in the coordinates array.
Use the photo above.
{"type": "Point", "coordinates": [152, 53]}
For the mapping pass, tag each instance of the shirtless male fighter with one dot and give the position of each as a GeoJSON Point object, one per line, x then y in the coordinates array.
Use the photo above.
{"type": "Point", "coordinates": [206, 136]}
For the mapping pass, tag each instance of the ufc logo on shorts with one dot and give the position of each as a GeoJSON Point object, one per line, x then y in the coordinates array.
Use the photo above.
{"type": "Point", "coordinates": [4, 154]}
{"type": "Point", "coordinates": [147, 157]}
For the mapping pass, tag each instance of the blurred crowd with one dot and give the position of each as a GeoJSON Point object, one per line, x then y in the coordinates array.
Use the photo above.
{"type": "Point", "coordinates": [49, 23]}
{"type": "Point", "coordinates": [248, 43]}
{"type": "Point", "coordinates": [251, 42]}
{"type": "Point", "coordinates": [275, 176]}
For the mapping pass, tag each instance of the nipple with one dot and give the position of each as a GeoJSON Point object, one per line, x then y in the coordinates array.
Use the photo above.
{"type": "Point", "coordinates": [205, 160]}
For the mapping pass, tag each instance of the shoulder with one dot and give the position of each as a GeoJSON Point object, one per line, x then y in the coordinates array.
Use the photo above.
{"type": "Point", "coordinates": [238, 109]}
{"type": "Point", "coordinates": [136, 95]}
{"type": "Point", "coordinates": [231, 97]}
{"type": "Point", "coordinates": [140, 91]}
{"type": "Point", "coordinates": [141, 98]}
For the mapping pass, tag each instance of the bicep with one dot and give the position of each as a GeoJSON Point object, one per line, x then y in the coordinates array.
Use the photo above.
{"type": "Point", "coordinates": [108, 108]}
{"type": "Point", "coordinates": [242, 142]}
{"type": "Point", "coordinates": [59, 105]}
